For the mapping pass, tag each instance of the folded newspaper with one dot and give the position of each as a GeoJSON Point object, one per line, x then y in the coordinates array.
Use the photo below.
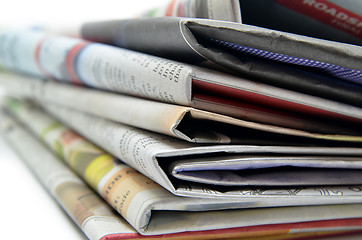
{"type": "Point", "coordinates": [161, 158]}
{"type": "Point", "coordinates": [183, 122]}
{"type": "Point", "coordinates": [111, 68]}
{"type": "Point", "coordinates": [318, 67]}
{"type": "Point", "coordinates": [224, 10]}
{"type": "Point", "coordinates": [329, 19]}
{"type": "Point", "coordinates": [97, 221]}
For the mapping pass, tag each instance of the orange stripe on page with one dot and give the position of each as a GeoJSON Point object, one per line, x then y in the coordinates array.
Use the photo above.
{"type": "Point", "coordinates": [170, 8]}
{"type": "Point", "coordinates": [70, 60]}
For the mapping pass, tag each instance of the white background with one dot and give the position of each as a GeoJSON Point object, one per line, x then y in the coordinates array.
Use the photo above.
{"type": "Point", "coordinates": [31, 213]}
{"type": "Point", "coordinates": [70, 11]}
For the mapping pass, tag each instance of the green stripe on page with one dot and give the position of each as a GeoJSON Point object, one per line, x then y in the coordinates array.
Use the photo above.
{"type": "Point", "coordinates": [49, 128]}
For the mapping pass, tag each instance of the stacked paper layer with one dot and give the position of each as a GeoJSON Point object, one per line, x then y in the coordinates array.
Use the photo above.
{"type": "Point", "coordinates": [231, 131]}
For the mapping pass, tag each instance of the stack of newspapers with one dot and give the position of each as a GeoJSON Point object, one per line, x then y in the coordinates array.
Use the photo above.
{"type": "Point", "coordinates": [189, 128]}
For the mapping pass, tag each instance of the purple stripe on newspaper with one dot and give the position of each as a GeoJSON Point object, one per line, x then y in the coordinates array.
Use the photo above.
{"type": "Point", "coordinates": [334, 70]}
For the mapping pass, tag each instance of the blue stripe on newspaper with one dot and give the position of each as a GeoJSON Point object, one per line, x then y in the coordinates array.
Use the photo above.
{"type": "Point", "coordinates": [331, 69]}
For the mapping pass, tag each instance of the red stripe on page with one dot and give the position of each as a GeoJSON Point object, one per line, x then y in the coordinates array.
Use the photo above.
{"type": "Point", "coordinates": [252, 231]}
{"type": "Point", "coordinates": [264, 100]}
{"type": "Point", "coordinates": [170, 8]}
{"type": "Point", "coordinates": [243, 110]}
{"type": "Point", "coordinates": [38, 60]}
{"type": "Point", "coordinates": [328, 13]}
{"type": "Point", "coordinates": [181, 9]}
{"type": "Point", "coordinates": [70, 60]}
